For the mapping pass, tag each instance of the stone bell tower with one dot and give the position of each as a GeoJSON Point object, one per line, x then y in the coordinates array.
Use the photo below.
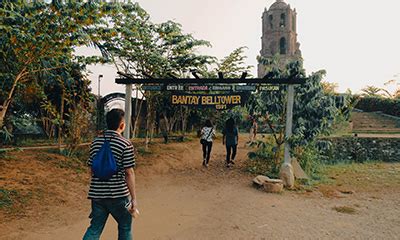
{"type": "Point", "coordinates": [279, 35]}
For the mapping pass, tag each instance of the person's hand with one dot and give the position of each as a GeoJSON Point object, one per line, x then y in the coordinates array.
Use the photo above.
{"type": "Point", "coordinates": [133, 207]}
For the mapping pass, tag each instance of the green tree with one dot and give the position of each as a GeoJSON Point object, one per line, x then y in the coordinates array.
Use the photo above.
{"type": "Point", "coordinates": [330, 88]}
{"type": "Point", "coordinates": [371, 91]}
{"type": "Point", "coordinates": [314, 111]}
{"type": "Point", "coordinates": [38, 38]}
{"type": "Point", "coordinates": [143, 49]}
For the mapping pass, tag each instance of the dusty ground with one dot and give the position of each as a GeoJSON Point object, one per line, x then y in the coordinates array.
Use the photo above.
{"type": "Point", "coordinates": [181, 200]}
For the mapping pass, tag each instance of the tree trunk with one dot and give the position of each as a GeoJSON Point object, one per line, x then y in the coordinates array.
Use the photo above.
{"type": "Point", "coordinates": [61, 121]}
{"type": "Point", "coordinates": [6, 104]}
{"type": "Point", "coordinates": [2, 118]}
{"type": "Point", "coordinates": [172, 120]}
{"type": "Point", "coordinates": [138, 111]}
{"type": "Point", "coordinates": [185, 113]}
{"type": "Point", "coordinates": [148, 123]}
{"type": "Point", "coordinates": [166, 121]}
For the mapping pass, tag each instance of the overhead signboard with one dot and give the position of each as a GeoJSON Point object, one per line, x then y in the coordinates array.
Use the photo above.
{"type": "Point", "coordinates": [217, 101]}
{"type": "Point", "coordinates": [197, 88]}
{"type": "Point", "coordinates": [175, 88]}
{"type": "Point", "coordinates": [268, 88]}
{"type": "Point", "coordinates": [221, 88]}
{"type": "Point", "coordinates": [204, 88]}
{"type": "Point", "coordinates": [239, 88]}
{"type": "Point", "coordinates": [152, 88]}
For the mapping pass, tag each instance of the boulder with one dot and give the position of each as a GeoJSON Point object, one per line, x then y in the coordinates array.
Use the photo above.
{"type": "Point", "coordinates": [286, 175]}
{"type": "Point", "coordinates": [298, 171]}
{"type": "Point", "coordinates": [260, 180]}
{"type": "Point", "coordinates": [269, 185]}
{"type": "Point", "coordinates": [273, 187]}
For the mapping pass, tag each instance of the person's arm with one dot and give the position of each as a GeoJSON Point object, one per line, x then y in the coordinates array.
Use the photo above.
{"type": "Point", "coordinates": [130, 181]}
{"type": "Point", "coordinates": [128, 160]}
{"type": "Point", "coordinates": [213, 134]}
{"type": "Point", "coordinates": [237, 135]}
{"type": "Point", "coordinates": [90, 160]}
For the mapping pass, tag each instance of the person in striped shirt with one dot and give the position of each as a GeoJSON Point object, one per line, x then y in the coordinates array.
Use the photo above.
{"type": "Point", "coordinates": [111, 196]}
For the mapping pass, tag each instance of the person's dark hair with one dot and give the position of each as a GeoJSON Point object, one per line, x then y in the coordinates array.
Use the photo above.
{"type": "Point", "coordinates": [208, 123]}
{"type": "Point", "coordinates": [230, 125]}
{"type": "Point", "coordinates": [114, 118]}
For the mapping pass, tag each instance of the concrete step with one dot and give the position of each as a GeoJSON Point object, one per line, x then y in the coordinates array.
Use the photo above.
{"type": "Point", "coordinates": [374, 122]}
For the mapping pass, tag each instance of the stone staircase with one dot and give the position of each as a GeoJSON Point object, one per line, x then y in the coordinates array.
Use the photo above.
{"type": "Point", "coordinates": [374, 122]}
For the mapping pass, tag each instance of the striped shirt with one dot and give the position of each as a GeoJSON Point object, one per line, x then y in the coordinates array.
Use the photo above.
{"type": "Point", "coordinates": [123, 152]}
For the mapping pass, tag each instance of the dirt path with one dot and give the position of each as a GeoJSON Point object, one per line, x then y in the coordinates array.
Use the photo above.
{"type": "Point", "coordinates": [190, 202]}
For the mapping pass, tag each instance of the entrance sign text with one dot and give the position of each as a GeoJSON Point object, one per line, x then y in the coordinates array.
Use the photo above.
{"type": "Point", "coordinates": [218, 101]}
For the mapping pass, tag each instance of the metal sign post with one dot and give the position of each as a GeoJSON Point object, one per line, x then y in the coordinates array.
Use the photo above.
{"type": "Point", "coordinates": [128, 111]}
{"type": "Point", "coordinates": [289, 122]}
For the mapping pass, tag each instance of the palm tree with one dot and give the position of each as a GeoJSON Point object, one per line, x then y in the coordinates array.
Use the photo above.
{"type": "Point", "coordinates": [371, 91]}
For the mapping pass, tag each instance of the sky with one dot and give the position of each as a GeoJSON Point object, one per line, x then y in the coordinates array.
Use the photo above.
{"type": "Point", "coordinates": [357, 42]}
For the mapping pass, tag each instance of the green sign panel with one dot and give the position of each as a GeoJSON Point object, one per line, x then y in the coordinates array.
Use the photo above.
{"type": "Point", "coordinates": [152, 87]}
{"type": "Point", "coordinates": [240, 88]}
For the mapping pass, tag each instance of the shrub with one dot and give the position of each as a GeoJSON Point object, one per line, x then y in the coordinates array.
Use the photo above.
{"type": "Point", "coordinates": [375, 104]}
{"type": "Point", "coordinates": [264, 159]}
{"type": "Point", "coordinates": [309, 158]}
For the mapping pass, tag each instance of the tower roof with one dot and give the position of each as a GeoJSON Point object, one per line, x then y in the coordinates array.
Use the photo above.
{"type": "Point", "coordinates": [279, 4]}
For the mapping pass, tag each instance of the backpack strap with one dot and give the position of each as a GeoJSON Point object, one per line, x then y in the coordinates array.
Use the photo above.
{"type": "Point", "coordinates": [209, 134]}
{"type": "Point", "coordinates": [105, 138]}
{"type": "Point", "coordinates": [109, 142]}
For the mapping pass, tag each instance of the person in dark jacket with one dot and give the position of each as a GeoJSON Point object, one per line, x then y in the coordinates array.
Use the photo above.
{"type": "Point", "coordinates": [230, 139]}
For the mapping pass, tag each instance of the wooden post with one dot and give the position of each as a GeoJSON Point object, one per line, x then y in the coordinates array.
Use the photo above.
{"type": "Point", "coordinates": [128, 110]}
{"type": "Point", "coordinates": [289, 122]}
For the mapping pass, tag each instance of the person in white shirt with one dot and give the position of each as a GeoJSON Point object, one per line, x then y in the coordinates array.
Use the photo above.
{"type": "Point", "coordinates": [206, 140]}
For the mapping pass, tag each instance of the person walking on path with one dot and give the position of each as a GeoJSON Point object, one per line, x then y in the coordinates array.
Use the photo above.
{"type": "Point", "coordinates": [253, 130]}
{"type": "Point", "coordinates": [206, 139]}
{"type": "Point", "coordinates": [230, 139]}
{"type": "Point", "coordinates": [112, 195]}
{"type": "Point", "coordinates": [164, 128]}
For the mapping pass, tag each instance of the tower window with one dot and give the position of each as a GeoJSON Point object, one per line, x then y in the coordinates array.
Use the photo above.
{"type": "Point", "coordinates": [294, 24]}
{"type": "Point", "coordinates": [283, 20]}
{"type": "Point", "coordinates": [282, 46]}
{"type": "Point", "coordinates": [271, 19]}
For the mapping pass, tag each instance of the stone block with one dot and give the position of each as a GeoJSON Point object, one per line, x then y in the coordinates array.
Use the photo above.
{"type": "Point", "coordinates": [287, 175]}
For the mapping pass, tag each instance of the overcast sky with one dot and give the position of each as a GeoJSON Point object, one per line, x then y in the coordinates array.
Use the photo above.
{"type": "Point", "coordinates": [357, 42]}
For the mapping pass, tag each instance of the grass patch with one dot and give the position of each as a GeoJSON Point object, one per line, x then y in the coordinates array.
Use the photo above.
{"type": "Point", "coordinates": [35, 142]}
{"type": "Point", "coordinates": [72, 163]}
{"type": "Point", "coordinates": [11, 198]}
{"type": "Point", "coordinates": [6, 198]}
{"type": "Point", "coordinates": [361, 177]}
{"type": "Point", "coordinates": [345, 209]}
{"type": "Point", "coordinates": [75, 161]}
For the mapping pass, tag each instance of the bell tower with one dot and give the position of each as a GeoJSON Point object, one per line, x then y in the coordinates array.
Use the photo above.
{"type": "Point", "coordinates": [279, 35]}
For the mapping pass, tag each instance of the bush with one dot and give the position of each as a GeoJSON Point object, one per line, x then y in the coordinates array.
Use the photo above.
{"type": "Point", "coordinates": [309, 158]}
{"type": "Point", "coordinates": [266, 159]}
{"type": "Point", "coordinates": [375, 104]}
